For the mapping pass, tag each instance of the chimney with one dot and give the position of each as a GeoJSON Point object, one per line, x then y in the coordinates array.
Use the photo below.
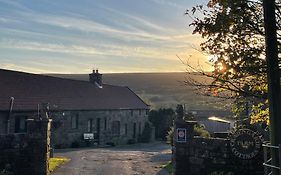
{"type": "Point", "coordinates": [96, 78]}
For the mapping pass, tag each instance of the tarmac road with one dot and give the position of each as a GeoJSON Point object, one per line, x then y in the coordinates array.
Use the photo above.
{"type": "Point", "coordinates": [138, 159]}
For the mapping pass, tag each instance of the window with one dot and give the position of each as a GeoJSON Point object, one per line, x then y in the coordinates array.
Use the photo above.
{"type": "Point", "coordinates": [126, 129]}
{"type": "Point", "coordinates": [116, 127]}
{"type": "Point", "coordinates": [132, 112]}
{"type": "Point", "coordinates": [134, 130]}
{"type": "Point", "coordinates": [74, 121]}
{"type": "Point", "coordinates": [90, 125]}
{"type": "Point", "coordinates": [20, 124]}
{"type": "Point", "coordinates": [146, 112]}
{"type": "Point", "coordinates": [139, 128]}
{"type": "Point", "coordinates": [139, 111]}
{"type": "Point", "coordinates": [105, 124]}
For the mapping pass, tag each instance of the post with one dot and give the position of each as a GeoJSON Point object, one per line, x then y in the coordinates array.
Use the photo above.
{"type": "Point", "coordinates": [181, 145]}
{"type": "Point", "coordinates": [10, 114]}
{"type": "Point", "coordinates": [279, 150]}
{"type": "Point", "coordinates": [265, 159]}
{"type": "Point", "coordinates": [273, 77]}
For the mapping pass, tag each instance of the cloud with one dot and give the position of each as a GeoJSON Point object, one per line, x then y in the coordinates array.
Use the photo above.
{"type": "Point", "coordinates": [168, 2]}
{"type": "Point", "coordinates": [136, 21]}
{"type": "Point", "coordinates": [102, 37]}
{"type": "Point", "coordinates": [15, 5]}
{"type": "Point", "coordinates": [22, 68]}
{"type": "Point", "coordinates": [136, 33]}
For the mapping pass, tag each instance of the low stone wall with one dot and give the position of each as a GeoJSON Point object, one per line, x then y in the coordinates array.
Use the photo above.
{"type": "Point", "coordinates": [202, 156]}
{"type": "Point", "coordinates": [26, 153]}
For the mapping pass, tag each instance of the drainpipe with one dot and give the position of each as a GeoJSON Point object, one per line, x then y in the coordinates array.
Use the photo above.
{"type": "Point", "coordinates": [10, 114]}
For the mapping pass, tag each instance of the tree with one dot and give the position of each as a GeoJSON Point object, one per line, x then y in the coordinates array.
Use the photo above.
{"type": "Point", "coordinates": [162, 120]}
{"type": "Point", "coordinates": [234, 35]}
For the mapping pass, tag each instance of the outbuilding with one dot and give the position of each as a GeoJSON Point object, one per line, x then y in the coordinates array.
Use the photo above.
{"type": "Point", "coordinates": [80, 109]}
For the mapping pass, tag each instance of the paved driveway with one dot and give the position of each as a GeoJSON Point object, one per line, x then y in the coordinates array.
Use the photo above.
{"type": "Point", "coordinates": [136, 159]}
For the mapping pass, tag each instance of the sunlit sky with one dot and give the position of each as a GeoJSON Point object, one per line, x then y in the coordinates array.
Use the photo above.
{"type": "Point", "coordinates": [75, 36]}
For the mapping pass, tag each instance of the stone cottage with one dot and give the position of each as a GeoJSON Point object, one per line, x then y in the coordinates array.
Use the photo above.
{"type": "Point", "coordinates": [80, 109]}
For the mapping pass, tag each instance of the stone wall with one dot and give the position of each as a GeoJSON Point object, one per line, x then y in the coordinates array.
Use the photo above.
{"type": "Point", "coordinates": [64, 135]}
{"type": "Point", "coordinates": [26, 153]}
{"type": "Point", "coordinates": [3, 122]}
{"type": "Point", "coordinates": [207, 156]}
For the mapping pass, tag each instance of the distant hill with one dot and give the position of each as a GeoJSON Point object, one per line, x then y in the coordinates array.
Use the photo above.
{"type": "Point", "coordinates": [160, 89]}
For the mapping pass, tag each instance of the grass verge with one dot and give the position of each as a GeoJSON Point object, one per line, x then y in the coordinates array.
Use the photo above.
{"type": "Point", "coordinates": [55, 162]}
{"type": "Point", "coordinates": [169, 167]}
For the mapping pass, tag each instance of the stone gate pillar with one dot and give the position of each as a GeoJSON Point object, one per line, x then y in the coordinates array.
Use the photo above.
{"type": "Point", "coordinates": [184, 133]}
{"type": "Point", "coordinates": [38, 136]}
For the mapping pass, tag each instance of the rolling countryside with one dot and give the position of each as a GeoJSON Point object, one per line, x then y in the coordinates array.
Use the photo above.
{"type": "Point", "coordinates": [162, 90]}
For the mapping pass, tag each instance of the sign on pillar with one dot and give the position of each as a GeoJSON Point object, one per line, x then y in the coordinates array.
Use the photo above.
{"type": "Point", "coordinates": [181, 135]}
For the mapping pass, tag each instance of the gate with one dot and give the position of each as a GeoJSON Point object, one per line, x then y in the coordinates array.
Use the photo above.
{"type": "Point", "coordinates": [268, 167]}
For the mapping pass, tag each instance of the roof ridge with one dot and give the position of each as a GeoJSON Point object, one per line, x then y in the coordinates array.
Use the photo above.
{"type": "Point", "coordinates": [39, 75]}
{"type": "Point", "coordinates": [53, 77]}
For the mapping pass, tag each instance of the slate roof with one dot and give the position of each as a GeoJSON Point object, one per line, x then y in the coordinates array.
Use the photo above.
{"type": "Point", "coordinates": [29, 90]}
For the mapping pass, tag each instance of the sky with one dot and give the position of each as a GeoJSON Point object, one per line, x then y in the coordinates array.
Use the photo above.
{"type": "Point", "coordinates": [114, 36]}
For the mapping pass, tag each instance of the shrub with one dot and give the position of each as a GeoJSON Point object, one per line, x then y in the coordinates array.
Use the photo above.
{"type": "Point", "coordinates": [162, 120]}
{"type": "Point", "coordinates": [199, 130]}
{"type": "Point", "coordinates": [146, 134]}
{"type": "Point", "coordinates": [131, 141]}
{"type": "Point", "coordinates": [6, 172]}
{"type": "Point", "coordinates": [110, 143]}
{"type": "Point", "coordinates": [170, 136]}
{"type": "Point", "coordinates": [75, 144]}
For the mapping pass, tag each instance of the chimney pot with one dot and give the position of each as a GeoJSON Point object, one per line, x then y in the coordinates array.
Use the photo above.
{"type": "Point", "coordinates": [96, 78]}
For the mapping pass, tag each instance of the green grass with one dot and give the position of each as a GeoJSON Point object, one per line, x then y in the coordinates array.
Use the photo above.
{"type": "Point", "coordinates": [55, 162]}
{"type": "Point", "coordinates": [169, 167]}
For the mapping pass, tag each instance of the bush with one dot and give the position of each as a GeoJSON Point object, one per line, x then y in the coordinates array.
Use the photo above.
{"type": "Point", "coordinates": [170, 136]}
{"type": "Point", "coordinates": [146, 134]}
{"type": "Point", "coordinates": [199, 130]}
{"type": "Point", "coordinates": [131, 141]}
{"type": "Point", "coordinates": [75, 144]}
{"type": "Point", "coordinates": [110, 143]}
{"type": "Point", "coordinates": [169, 167]}
{"type": "Point", "coordinates": [162, 120]}
{"type": "Point", "coordinates": [6, 172]}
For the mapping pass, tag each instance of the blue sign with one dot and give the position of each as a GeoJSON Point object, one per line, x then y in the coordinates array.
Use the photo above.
{"type": "Point", "coordinates": [181, 134]}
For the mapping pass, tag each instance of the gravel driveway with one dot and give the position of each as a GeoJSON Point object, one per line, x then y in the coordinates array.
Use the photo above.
{"type": "Point", "coordinates": [135, 159]}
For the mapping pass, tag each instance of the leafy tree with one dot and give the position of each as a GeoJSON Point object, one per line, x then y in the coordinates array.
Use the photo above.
{"type": "Point", "coordinates": [234, 35]}
{"type": "Point", "coordinates": [162, 120]}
